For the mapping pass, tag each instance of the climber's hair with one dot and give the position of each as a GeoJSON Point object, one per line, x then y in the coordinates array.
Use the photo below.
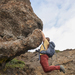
{"type": "Point", "coordinates": [48, 39]}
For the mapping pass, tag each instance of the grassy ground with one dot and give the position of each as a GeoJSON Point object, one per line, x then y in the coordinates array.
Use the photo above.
{"type": "Point", "coordinates": [15, 64]}
{"type": "Point", "coordinates": [57, 51]}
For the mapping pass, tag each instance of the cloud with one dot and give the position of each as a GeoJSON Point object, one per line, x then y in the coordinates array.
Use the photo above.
{"type": "Point", "coordinates": [63, 36]}
{"type": "Point", "coordinates": [58, 18]}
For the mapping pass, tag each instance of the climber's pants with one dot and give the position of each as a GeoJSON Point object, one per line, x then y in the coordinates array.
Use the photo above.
{"type": "Point", "coordinates": [45, 65]}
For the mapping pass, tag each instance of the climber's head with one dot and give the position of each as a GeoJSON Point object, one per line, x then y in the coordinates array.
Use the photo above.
{"type": "Point", "coordinates": [48, 39]}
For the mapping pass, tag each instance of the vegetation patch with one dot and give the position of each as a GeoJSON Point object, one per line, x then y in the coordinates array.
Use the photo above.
{"type": "Point", "coordinates": [3, 60]}
{"type": "Point", "coordinates": [15, 64]}
{"type": "Point", "coordinates": [57, 51]}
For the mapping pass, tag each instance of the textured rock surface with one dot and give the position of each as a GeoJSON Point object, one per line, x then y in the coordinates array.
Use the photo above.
{"type": "Point", "coordinates": [65, 58]}
{"type": "Point", "coordinates": [33, 67]}
{"type": "Point", "coordinates": [19, 28]}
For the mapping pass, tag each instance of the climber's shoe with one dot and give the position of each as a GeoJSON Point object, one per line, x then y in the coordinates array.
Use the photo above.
{"type": "Point", "coordinates": [62, 68]}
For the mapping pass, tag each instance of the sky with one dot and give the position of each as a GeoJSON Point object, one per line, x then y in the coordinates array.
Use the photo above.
{"type": "Point", "coordinates": [58, 17]}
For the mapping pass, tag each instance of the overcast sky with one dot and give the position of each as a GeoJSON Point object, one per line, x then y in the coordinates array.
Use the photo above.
{"type": "Point", "coordinates": [58, 17]}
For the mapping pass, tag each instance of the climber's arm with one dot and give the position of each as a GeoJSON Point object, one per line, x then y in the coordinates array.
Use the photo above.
{"type": "Point", "coordinates": [38, 50]}
{"type": "Point", "coordinates": [43, 36]}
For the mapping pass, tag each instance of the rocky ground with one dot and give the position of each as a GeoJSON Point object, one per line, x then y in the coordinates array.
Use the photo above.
{"type": "Point", "coordinates": [33, 67]}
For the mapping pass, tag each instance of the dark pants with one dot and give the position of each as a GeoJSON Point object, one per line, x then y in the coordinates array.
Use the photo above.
{"type": "Point", "coordinates": [45, 65]}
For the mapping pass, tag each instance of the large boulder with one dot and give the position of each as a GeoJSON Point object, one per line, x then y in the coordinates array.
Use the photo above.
{"type": "Point", "coordinates": [19, 29]}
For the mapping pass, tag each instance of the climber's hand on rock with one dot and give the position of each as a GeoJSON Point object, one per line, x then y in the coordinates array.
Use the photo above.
{"type": "Point", "coordinates": [40, 30]}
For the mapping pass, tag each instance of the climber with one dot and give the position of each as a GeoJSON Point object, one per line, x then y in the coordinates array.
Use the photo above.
{"type": "Point", "coordinates": [44, 57]}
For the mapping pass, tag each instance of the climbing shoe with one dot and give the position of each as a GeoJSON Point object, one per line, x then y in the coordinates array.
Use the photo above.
{"type": "Point", "coordinates": [62, 68]}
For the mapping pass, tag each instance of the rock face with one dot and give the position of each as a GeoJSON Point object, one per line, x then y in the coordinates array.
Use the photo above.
{"type": "Point", "coordinates": [19, 28]}
{"type": "Point", "coordinates": [33, 67]}
{"type": "Point", "coordinates": [65, 58]}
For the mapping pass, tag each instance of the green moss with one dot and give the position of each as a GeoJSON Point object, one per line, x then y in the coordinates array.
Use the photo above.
{"type": "Point", "coordinates": [15, 63]}
{"type": "Point", "coordinates": [2, 60]}
{"type": "Point", "coordinates": [57, 51]}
